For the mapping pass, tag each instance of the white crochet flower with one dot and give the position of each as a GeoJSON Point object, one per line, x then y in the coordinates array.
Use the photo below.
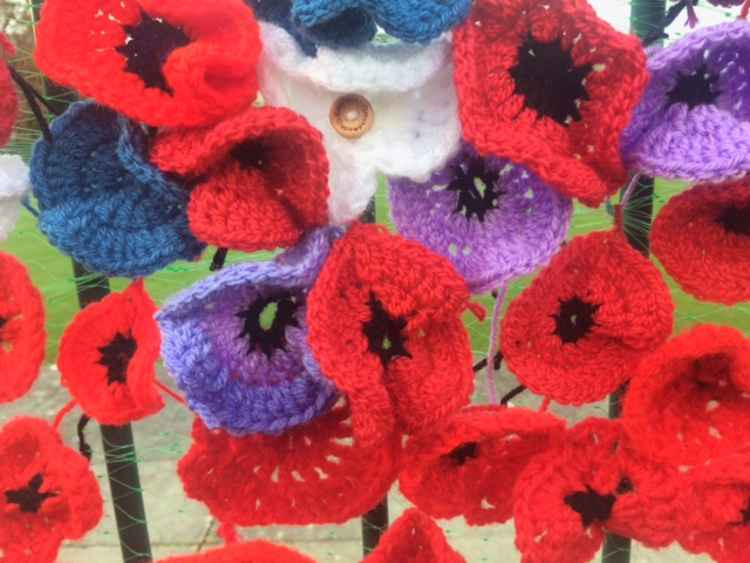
{"type": "Point", "coordinates": [14, 185]}
{"type": "Point", "coordinates": [410, 88]}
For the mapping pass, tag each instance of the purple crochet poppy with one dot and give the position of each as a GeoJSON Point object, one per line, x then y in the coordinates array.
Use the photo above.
{"type": "Point", "coordinates": [236, 343]}
{"type": "Point", "coordinates": [494, 220]}
{"type": "Point", "coordinates": [694, 120]}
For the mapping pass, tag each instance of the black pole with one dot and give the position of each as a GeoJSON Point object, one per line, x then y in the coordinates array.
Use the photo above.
{"type": "Point", "coordinates": [646, 21]}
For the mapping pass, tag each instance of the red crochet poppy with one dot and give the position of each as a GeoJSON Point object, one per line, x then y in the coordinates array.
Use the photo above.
{"type": "Point", "coordinates": [263, 178]}
{"type": "Point", "coordinates": [414, 538]}
{"type": "Point", "coordinates": [689, 401]}
{"type": "Point", "coordinates": [568, 497]}
{"type": "Point", "coordinates": [702, 237]}
{"type": "Point", "coordinates": [534, 83]}
{"type": "Point", "coordinates": [467, 464]}
{"type": "Point", "coordinates": [574, 334]}
{"type": "Point", "coordinates": [258, 551]}
{"type": "Point", "coordinates": [312, 474]}
{"type": "Point", "coordinates": [8, 96]}
{"type": "Point", "coordinates": [22, 335]}
{"type": "Point", "coordinates": [108, 357]}
{"type": "Point", "coordinates": [385, 326]}
{"type": "Point", "coordinates": [47, 493]}
{"type": "Point", "coordinates": [163, 62]}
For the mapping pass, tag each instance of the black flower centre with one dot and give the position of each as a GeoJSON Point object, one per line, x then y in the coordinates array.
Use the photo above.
{"type": "Point", "coordinates": [464, 453]}
{"type": "Point", "coordinates": [476, 186]}
{"type": "Point", "coordinates": [745, 516]}
{"type": "Point", "coordinates": [575, 319]}
{"type": "Point", "coordinates": [266, 320]}
{"type": "Point", "coordinates": [695, 89]}
{"type": "Point", "coordinates": [625, 486]}
{"type": "Point", "coordinates": [592, 506]}
{"type": "Point", "coordinates": [252, 154]}
{"type": "Point", "coordinates": [149, 44]}
{"type": "Point", "coordinates": [549, 80]}
{"type": "Point", "coordinates": [29, 498]}
{"type": "Point", "coordinates": [736, 219]}
{"type": "Point", "coordinates": [384, 333]}
{"type": "Point", "coordinates": [116, 356]}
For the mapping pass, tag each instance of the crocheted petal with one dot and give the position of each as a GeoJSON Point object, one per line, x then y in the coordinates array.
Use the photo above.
{"type": "Point", "coordinates": [8, 102]}
{"type": "Point", "coordinates": [258, 551]}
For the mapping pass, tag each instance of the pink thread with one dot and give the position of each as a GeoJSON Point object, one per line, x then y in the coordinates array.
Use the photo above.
{"type": "Point", "coordinates": [62, 413]}
{"type": "Point", "coordinates": [169, 392]}
{"type": "Point", "coordinates": [494, 338]}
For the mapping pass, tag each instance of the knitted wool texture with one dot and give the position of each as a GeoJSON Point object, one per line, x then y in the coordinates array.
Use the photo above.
{"type": "Point", "coordinates": [278, 12]}
{"type": "Point", "coordinates": [14, 185]}
{"type": "Point", "coordinates": [385, 327]}
{"type": "Point", "coordinates": [575, 332]}
{"type": "Point", "coordinates": [48, 493]}
{"type": "Point", "coordinates": [467, 464]}
{"type": "Point", "coordinates": [534, 84]}
{"type": "Point", "coordinates": [702, 237]}
{"type": "Point", "coordinates": [413, 21]}
{"type": "Point", "coordinates": [312, 474]}
{"type": "Point", "coordinates": [412, 96]}
{"type": "Point", "coordinates": [569, 496]}
{"type": "Point", "coordinates": [22, 334]}
{"type": "Point", "coordinates": [508, 230]}
{"type": "Point", "coordinates": [163, 62]}
{"type": "Point", "coordinates": [108, 358]}
{"type": "Point", "coordinates": [689, 401]}
{"type": "Point", "coordinates": [236, 372]}
{"type": "Point", "coordinates": [8, 96]}
{"type": "Point", "coordinates": [100, 200]}
{"type": "Point", "coordinates": [415, 538]}
{"type": "Point", "coordinates": [693, 122]}
{"type": "Point", "coordinates": [262, 178]}
{"type": "Point", "coordinates": [258, 551]}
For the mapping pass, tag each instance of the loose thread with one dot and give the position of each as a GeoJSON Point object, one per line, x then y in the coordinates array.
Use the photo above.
{"type": "Point", "coordinates": [493, 347]}
{"type": "Point", "coordinates": [545, 404]}
{"type": "Point", "coordinates": [29, 94]}
{"type": "Point", "coordinates": [63, 412]}
{"type": "Point", "coordinates": [228, 532]}
{"type": "Point", "coordinates": [83, 445]}
{"type": "Point", "coordinates": [169, 392]}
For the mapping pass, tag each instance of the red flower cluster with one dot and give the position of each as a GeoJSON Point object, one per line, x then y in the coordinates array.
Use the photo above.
{"type": "Point", "coordinates": [258, 551]}
{"type": "Point", "coordinates": [8, 97]}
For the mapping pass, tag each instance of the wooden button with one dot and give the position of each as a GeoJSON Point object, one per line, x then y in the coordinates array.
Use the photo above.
{"type": "Point", "coordinates": [352, 116]}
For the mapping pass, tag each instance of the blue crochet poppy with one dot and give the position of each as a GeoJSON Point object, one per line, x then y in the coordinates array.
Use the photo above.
{"type": "Point", "coordinates": [101, 201]}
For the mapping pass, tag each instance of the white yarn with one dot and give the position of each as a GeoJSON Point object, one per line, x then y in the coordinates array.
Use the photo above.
{"type": "Point", "coordinates": [411, 90]}
{"type": "Point", "coordinates": [14, 185]}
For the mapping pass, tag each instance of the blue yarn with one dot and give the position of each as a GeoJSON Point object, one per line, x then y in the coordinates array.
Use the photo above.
{"type": "Point", "coordinates": [101, 202]}
{"type": "Point", "coordinates": [278, 12]}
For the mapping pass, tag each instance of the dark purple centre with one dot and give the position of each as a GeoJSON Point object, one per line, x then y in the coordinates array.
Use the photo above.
{"type": "Point", "coordinates": [116, 357]}
{"type": "Point", "coordinates": [385, 333]}
{"type": "Point", "coordinates": [574, 320]}
{"type": "Point", "coordinates": [29, 498]}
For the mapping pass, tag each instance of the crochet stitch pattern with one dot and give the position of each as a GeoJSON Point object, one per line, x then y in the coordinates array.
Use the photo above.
{"type": "Point", "coordinates": [239, 371]}
{"type": "Point", "coordinates": [14, 185]}
{"type": "Point", "coordinates": [162, 62]}
{"type": "Point", "coordinates": [262, 178]}
{"type": "Point", "coordinates": [693, 122]}
{"type": "Point", "coordinates": [22, 334]}
{"type": "Point", "coordinates": [108, 358]}
{"type": "Point", "coordinates": [702, 237]}
{"type": "Point", "coordinates": [100, 200]}
{"type": "Point", "coordinates": [48, 493]}
{"type": "Point", "coordinates": [467, 463]}
{"type": "Point", "coordinates": [349, 23]}
{"type": "Point", "coordinates": [385, 327]}
{"type": "Point", "coordinates": [258, 551]}
{"type": "Point", "coordinates": [546, 70]}
{"type": "Point", "coordinates": [575, 332]}
{"type": "Point", "coordinates": [278, 12]}
{"type": "Point", "coordinates": [312, 474]}
{"type": "Point", "coordinates": [687, 402]}
{"type": "Point", "coordinates": [8, 96]}
{"type": "Point", "coordinates": [410, 94]}
{"type": "Point", "coordinates": [494, 221]}
{"type": "Point", "coordinates": [415, 538]}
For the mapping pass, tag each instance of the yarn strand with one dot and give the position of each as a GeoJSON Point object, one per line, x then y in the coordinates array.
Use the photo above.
{"type": "Point", "coordinates": [493, 347]}
{"type": "Point", "coordinates": [62, 413]}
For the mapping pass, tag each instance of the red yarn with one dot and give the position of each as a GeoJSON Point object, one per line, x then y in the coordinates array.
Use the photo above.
{"type": "Point", "coordinates": [745, 9]}
{"type": "Point", "coordinates": [8, 96]}
{"type": "Point", "coordinates": [702, 237]}
{"type": "Point", "coordinates": [574, 334]}
{"type": "Point", "coordinates": [22, 335]}
{"type": "Point", "coordinates": [47, 493]}
{"type": "Point", "coordinates": [108, 357]}
{"type": "Point", "coordinates": [263, 178]}
{"type": "Point", "coordinates": [518, 90]}
{"type": "Point", "coordinates": [689, 401]}
{"type": "Point", "coordinates": [258, 551]}
{"type": "Point", "coordinates": [312, 474]}
{"type": "Point", "coordinates": [467, 464]}
{"type": "Point", "coordinates": [414, 538]}
{"type": "Point", "coordinates": [385, 325]}
{"type": "Point", "coordinates": [163, 62]}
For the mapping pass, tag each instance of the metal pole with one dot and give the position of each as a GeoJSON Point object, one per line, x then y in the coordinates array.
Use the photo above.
{"type": "Point", "coordinates": [646, 20]}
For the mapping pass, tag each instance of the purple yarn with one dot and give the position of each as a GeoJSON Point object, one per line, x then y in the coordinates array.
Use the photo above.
{"type": "Point", "coordinates": [711, 141]}
{"type": "Point", "coordinates": [515, 235]}
{"type": "Point", "coordinates": [231, 380]}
